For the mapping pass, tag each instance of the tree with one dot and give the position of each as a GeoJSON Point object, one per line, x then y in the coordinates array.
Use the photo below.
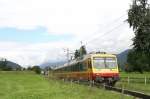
{"type": "Point", "coordinates": [139, 20]}
{"type": "Point", "coordinates": [37, 69]}
{"type": "Point", "coordinates": [137, 62]}
{"type": "Point", "coordinates": [82, 51]}
{"type": "Point", "coordinates": [29, 68]}
{"type": "Point", "coordinates": [76, 54]}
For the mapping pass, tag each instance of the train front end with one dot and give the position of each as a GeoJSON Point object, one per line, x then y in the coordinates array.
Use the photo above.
{"type": "Point", "coordinates": [105, 68]}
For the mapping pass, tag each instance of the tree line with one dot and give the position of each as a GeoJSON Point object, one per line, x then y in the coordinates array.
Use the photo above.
{"type": "Point", "coordinates": [5, 67]}
{"type": "Point", "coordinates": [139, 19]}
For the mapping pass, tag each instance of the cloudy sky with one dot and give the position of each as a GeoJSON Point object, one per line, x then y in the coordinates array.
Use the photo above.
{"type": "Point", "coordinates": [37, 31]}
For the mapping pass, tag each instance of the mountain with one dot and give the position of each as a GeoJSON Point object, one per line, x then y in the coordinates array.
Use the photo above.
{"type": "Point", "coordinates": [122, 58]}
{"type": "Point", "coordinates": [52, 64]}
{"type": "Point", "coordinates": [10, 64]}
{"type": "Point", "coordinates": [13, 65]}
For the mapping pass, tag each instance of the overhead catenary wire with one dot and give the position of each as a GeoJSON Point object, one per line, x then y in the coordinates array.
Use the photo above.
{"type": "Point", "coordinates": [117, 19]}
{"type": "Point", "coordinates": [110, 31]}
{"type": "Point", "coordinates": [105, 33]}
{"type": "Point", "coordinates": [102, 36]}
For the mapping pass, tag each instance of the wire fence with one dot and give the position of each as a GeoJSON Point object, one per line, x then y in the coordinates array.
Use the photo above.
{"type": "Point", "coordinates": [145, 80]}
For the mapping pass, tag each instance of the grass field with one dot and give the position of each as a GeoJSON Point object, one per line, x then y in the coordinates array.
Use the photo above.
{"type": "Point", "coordinates": [136, 82]}
{"type": "Point", "coordinates": [27, 85]}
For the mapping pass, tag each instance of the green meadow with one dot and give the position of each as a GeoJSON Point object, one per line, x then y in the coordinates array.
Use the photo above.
{"type": "Point", "coordinates": [27, 85]}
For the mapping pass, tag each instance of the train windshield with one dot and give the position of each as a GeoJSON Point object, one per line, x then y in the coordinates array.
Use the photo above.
{"type": "Point", "coordinates": [101, 63]}
{"type": "Point", "coordinates": [110, 63]}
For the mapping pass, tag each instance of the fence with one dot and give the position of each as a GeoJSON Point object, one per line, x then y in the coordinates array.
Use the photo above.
{"type": "Point", "coordinates": [145, 80]}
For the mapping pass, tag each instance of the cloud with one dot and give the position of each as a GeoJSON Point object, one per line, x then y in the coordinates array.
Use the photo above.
{"type": "Point", "coordinates": [91, 21]}
{"type": "Point", "coordinates": [33, 54]}
{"type": "Point", "coordinates": [32, 13]}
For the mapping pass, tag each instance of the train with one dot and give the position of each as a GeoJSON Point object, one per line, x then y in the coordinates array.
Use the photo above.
{"type": "Point", "coordinates": [98, 67]}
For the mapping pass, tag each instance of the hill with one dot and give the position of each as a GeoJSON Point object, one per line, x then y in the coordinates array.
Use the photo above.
{"type": "Point", "coordinates": [11, 64]}
{"type": "Point", "coordinates": [122, 58]}
{"type": "Point", "coordinates": [52, 64]}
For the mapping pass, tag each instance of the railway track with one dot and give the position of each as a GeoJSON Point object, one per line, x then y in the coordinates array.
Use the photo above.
{"type": "Point", "coordinates": [116, 89]}
{"type": "Point", "coordinates": [128, 92]}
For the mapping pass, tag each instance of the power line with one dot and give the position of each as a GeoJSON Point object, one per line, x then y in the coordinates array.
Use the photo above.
{"type": "Point", "coordinates": [115, 20]}
{"type": "Point", "coordinates": [112, 22]}
{"type": "Point", "coordinates": [106, 33]}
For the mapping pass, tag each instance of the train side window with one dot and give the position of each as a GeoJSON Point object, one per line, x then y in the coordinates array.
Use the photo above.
{"type": "Point", "coordinates": [89, 64]}
{"type": "Point", "coordinates": [67, 69]}
{"type": "Point", "coordinates": [73, 67]}
{"type": "Point", "coordinates": [80, 67]}
{"type": "Point", "coordinates": [84, 66]}
{"type": "Point", "coordinates": [70, 68]}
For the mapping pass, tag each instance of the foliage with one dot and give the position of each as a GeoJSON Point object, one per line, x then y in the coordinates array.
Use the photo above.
{"type": "Point", "coordinates": [76, 54]}
{"type": "Point", "coordinates": [138, 62]}
{"type": "Point", "coordinates": [137, 13]}
{"type": "Point", "coordinates": [23, 68]}
{"type": "Point", "coordinates": [81, 52]}
{"type": "Point", "coordinates": [139, 19]}
{"type": "Point", "coordinates": [29, 68]}
{"type": "Point", "coordinates": [36, 69]}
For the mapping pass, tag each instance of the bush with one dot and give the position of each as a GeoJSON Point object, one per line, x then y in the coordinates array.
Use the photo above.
{"type": "Point", "coordinates": [138, 62]}
{"type": "Point", "coordinates": [37, 69]}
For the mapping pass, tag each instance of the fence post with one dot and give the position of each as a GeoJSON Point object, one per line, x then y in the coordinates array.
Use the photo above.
{"type": "Point", "coordinates": [90, 83]}
{"type": "Point", "coordinates": [71, 82]}
{"type": "Point", "coordinates": [93, 82]}
{"type": "Point", "coordinates": [104, 86]}
{"type": "Point", "coordinates": [122, 92]}
{"type": "Point", "coordinates": [145, 80]}
{"type": "Point", "coordinates": [48, 73]}
{"type": "Point", "coordinates": [128, 79]}
{"type": "Point", "coordinates": [78, 81]}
